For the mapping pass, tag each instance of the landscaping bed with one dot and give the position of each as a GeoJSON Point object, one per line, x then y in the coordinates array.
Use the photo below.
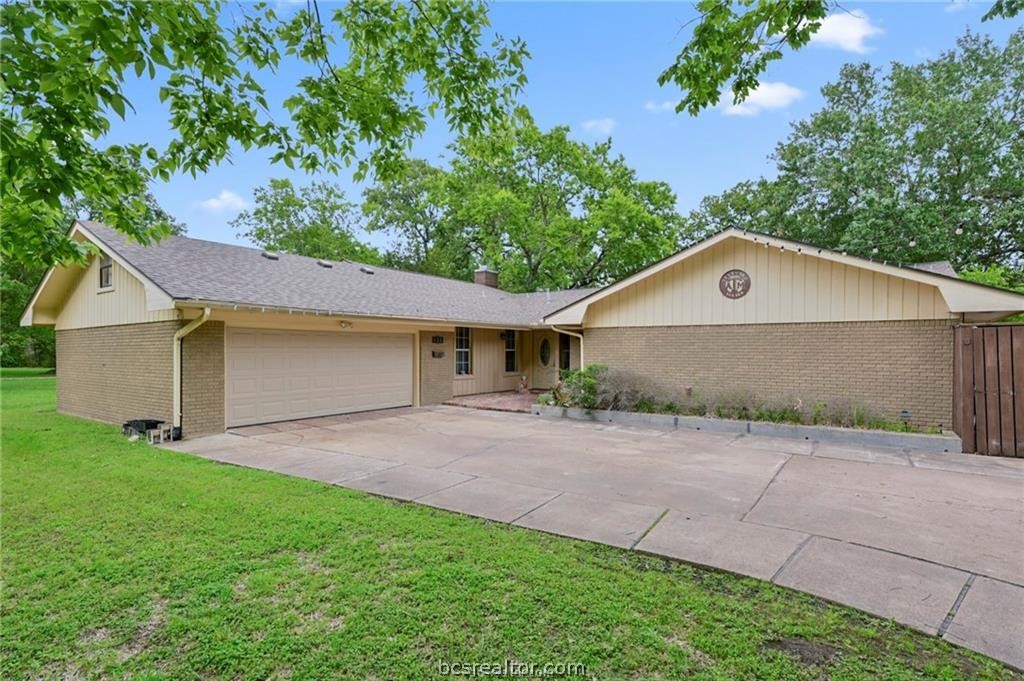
{"type": "Point", "coordinates": [123, 560]}
{"type": "Point", "coordinates": [597, 393]}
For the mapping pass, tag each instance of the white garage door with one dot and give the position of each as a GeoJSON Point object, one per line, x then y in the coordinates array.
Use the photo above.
{"type": "Point", "coordinates": [282, 375]}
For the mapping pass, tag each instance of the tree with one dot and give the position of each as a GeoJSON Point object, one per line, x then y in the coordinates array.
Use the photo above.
{"type": "Point", "coordinates": [923, 163]}
{"type": "Point", "coordinates": [734, 42]}
{"type": "Point", "coordinates": [316, 221]}
{"type": "Point", "coordinates": [21, 346]}
{"type": "Point", "coordinates": [373, 72]}
{"type": "Point", "coordinates": [410, 207]}
{"type": "Point", "coordinates": [152, 213]}
{"type": "Point", "coordinates": [34, 346]}
{"type": "Point", "coordinates": [551, 212]}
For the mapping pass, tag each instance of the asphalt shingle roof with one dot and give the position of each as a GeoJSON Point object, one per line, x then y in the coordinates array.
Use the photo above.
{"type": "Point", "coordinates": [942, 267]}
{"type": "Point", "coordinates": [193, 269]}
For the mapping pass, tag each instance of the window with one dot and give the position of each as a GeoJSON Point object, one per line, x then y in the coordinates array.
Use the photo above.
{"type": "Point", "coordinates": [511, 362]}
{"type": "Point", "coordinates": [106, 270]}
{"type": "Point", "coordinates": [545, 352]}
{"type": "Point", "coordinates": [564, 352]}
{"type": "Point", "coordinates": [463, 351]}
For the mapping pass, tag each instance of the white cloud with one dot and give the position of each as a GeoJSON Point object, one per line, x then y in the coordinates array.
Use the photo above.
{"type": "Point", "coordinates": [599, 126]}
{"type": "Point", "coordinates": [660, 107]}
{"type": "Point", "coordinates": [225, 202]}
{"type": "Point", "coordinates": [764, 97]}
{"type": "Point", "coordinates": [847, 31]}
{"type": "Point", "coordinates": [956, 5]}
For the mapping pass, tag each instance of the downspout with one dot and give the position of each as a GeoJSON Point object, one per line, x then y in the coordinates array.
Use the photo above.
{"type": "Point", "coordinates": [577, 335]}
{"type": "Point", "coordinates": [178, 335]}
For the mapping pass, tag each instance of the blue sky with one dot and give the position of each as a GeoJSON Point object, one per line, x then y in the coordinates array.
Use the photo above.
{"type": "Point", "coordinates": [594, 67]}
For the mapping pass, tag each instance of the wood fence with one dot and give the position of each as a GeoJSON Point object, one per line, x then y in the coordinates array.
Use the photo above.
{"type": "Point", "coordinates": [988, 388]}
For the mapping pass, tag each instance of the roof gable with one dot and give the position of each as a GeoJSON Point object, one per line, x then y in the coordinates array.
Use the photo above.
{"type": "Point", "coordinates": [60, 281]}
{"type": "Point", "coordinates": [957, 295]}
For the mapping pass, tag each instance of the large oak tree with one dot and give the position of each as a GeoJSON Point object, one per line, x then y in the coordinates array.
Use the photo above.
{"type": "Point", "coordinates": [916, 163]}
{"type": "Point", "coordinates": [372, 74]}
{"type": "Point", "coordinates": [551, 212]}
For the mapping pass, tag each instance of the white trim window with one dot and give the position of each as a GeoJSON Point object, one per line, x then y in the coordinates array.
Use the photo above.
{"type": "Point", "coordinates": [463, 351]}
{"type": "Point", "coordinates": [106, 272]}
{"type": "Point", "coordinates": [511, 353]}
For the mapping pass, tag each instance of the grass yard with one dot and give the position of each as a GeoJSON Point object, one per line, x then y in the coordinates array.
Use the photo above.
{"type": "Point", "coordinates": [25, 372]}
{"type": "Point", "coordinates": [120, 559]}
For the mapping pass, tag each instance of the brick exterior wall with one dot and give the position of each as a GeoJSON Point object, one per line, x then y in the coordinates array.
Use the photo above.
{"type": "Point", "coordinates": [437, 374]}
{"type": "Point", "coordinates": [202, 380]}
{"type": "Point", "coordinates": [889, 366]}
{"type": "Point", "coordinates": [116, 373]}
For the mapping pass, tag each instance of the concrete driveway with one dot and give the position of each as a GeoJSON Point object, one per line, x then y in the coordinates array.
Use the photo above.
{"type": "Point", "coordinates": [935, 541]}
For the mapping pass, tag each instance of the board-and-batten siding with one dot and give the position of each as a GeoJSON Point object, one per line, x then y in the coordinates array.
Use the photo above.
{"type": "Point", "coordinates": [489, 363]}
{"type": "Point", "coordinates": [124, 303]}
{"type": "Point", "coordinates": [785, 287]}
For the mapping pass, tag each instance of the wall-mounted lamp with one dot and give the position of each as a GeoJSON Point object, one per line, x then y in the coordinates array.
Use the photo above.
{"type": "Point", "coordinates": [345, 324]}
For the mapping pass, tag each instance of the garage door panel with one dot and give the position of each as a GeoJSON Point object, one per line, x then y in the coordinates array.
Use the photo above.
{"type": "Point", "coordinates": [280, 375]}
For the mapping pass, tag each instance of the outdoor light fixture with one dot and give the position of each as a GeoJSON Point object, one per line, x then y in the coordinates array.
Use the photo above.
{"type": "Point", "coordinates": [345, 324]}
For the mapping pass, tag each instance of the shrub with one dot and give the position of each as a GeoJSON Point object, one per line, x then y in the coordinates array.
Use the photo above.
{"type": "Point", "coordinates": [579, 387]}
{"type": "Point", "coordinates": [785, 411]}
{"type": "Point", "coordinates": [733, 404]}
{"type": "Point", "coordinates": [546, 399]}
{"type": "Point", "coordinates": [600, 387]}
{"type": "Point", "coordinates": [628, 391]}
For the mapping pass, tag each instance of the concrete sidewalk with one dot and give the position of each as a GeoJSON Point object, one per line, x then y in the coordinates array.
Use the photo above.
{"type": "Point", "coordinates": [934, 541]}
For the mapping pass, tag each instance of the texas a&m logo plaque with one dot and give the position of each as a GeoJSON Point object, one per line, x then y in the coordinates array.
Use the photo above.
{"type": "Point", "coordinates": [734, 284]}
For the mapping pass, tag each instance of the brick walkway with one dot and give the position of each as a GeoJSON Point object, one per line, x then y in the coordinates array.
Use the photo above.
{"type": "Point", "coordinates": [510, 400]}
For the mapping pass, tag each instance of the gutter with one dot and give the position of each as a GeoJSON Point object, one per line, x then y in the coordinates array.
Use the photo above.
{"type": "Point", "coordinates": [192, 303]}
{"type": "Point", "coordinates": [178, 336]}
{"type": "Point", "coordinates": [577, 335]}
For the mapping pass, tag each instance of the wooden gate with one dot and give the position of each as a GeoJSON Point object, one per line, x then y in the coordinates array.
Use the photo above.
{"type": "Point", "coordinates": [988, 388]}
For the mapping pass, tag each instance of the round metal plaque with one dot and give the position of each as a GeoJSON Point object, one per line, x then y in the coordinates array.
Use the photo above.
{"type": "Point", "coordinates": [734, 284]}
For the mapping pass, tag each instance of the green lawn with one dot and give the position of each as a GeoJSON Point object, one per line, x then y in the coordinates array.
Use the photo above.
{"type": "Point", "coordinates": [25, 372]}
{"type": "Point", "coordinates": [120, 559]}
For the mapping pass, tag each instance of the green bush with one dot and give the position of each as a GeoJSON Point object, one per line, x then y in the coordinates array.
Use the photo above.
{"type": "Point", "coordinates": [733, 404]}
{"type": "Point", "coordinates": [579, 387]}
{"type": "Point", "coordinates": [778, 412]}
{"type": "Point", "coordinates": [600, 387]}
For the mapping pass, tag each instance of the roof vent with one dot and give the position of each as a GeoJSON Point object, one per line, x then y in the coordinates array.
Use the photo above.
{"type": "Point", "coordinates": [366, 270]}
{"type": "Point", "coordinates": [324, 263]}
{"type": "Point", "coordinates": [270, 256]}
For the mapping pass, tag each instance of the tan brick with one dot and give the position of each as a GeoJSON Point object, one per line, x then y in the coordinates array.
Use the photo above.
{"type": "Point", "coordinates": [202, 380]}
{"type": "Point", "coordinates": [889, 366]}
{"type": "Point", "coordinates": [117, 373]}
{"type": "Point", "coordinates": [437, 374]}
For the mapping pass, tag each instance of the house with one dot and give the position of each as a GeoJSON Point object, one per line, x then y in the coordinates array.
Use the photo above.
{"type": "Point", "coordinates": [778, 319]}
{"type": "Point", "coordinates": [209, 336]}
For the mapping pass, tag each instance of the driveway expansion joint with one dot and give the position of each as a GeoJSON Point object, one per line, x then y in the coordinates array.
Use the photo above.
{"type": "Point", "coordinates": [454, 484]}
{"type": "Point", "coordinates": [786, 563]}
{"type": "Point", "coordinates": [789, 457]}
{"type": "Point", "coordinates": [946, 623]}
{"type": "Point", "coordinates": [648, 530]}
{"type": "Point", "coordinates": [538, 506]}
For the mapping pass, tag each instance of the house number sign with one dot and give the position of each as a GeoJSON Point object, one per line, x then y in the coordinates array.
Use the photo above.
{"type": "Point", "coordinates": [734, 284]}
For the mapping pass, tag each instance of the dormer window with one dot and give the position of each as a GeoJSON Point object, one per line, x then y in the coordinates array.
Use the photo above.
{"type": "Point", "coordinates": [106, 272]}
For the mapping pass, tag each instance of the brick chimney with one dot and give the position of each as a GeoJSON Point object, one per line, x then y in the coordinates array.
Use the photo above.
{"type": "Point", "coordinates": [485, 276]}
